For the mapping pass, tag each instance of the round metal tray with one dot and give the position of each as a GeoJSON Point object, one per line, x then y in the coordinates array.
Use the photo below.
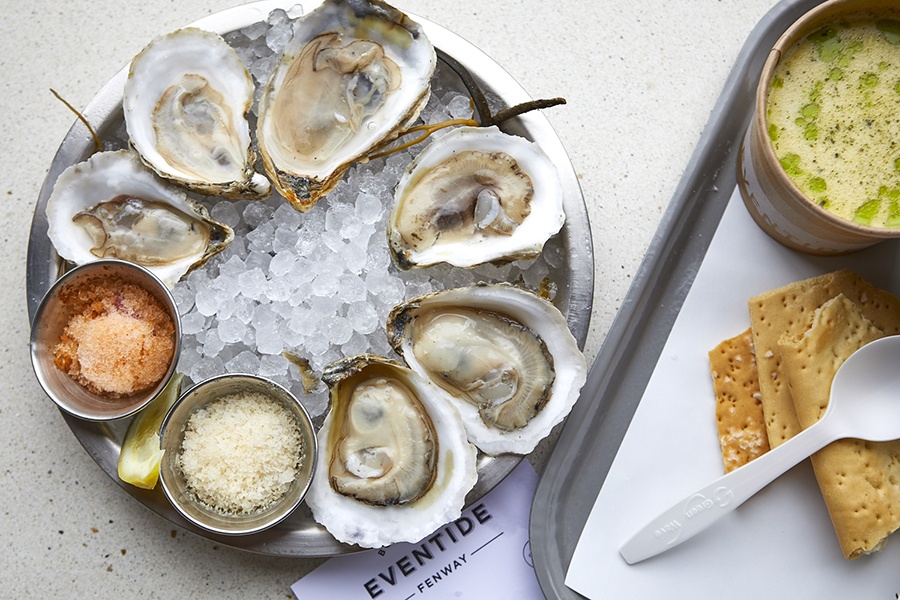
{"type": "Point", "coordinates": [300, 535]}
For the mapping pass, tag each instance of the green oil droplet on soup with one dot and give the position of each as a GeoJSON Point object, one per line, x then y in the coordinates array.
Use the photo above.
{"type": "Point", "coordinates": [893, 218]}
{"type": "Point", "coordinates": [817, 184]}
{"type": "Point", "coordinates": [867, 211]}
{"type": "Point", "coordinates": [810, 111]}
{"type": "Point", "coordinates": [868, 80]}
{"type": "Point", "coordinates": [892, 194]}
{"type": "Point", "coordinates": [791, 164]}
{"type": "Point", "coordinates": [816, 91]}
{"type": "Point", "coordinates": [811, 131]}
{"type": "Point", "coordinates": [827, 43]}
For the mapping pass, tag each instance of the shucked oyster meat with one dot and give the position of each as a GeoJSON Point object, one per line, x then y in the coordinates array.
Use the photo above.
{"type": "Point", "coordinates": [504, 354]}
{"type": "Point", "coordinates": [383, 424]}
{"type": "Point", "coordinates": [394, 463]}
{"type": "Point", "coordinates": [475, 195]}
{"type": "Point", "coordinates": [496, 364]}
{"type": "Point", "coordinates": [112, 206]}
{"type": "Point", "coordinates": [354, 74]}
{"type": "Point", "coordinates": [185, 103]}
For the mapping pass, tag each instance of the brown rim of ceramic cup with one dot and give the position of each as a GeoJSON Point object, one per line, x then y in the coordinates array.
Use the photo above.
{"type": "Point", "coordinates": [823, 232]}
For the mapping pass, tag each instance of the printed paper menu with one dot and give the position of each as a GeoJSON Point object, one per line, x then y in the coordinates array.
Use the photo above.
{"type": "Point", "coordinates": [482, 554]}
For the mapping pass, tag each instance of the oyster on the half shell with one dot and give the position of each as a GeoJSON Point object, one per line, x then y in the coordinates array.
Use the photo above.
{"type": "Point", "coordinates": [112, 206]}
{"type": "Point", "coordinates": [475, 195]}
{"type": "Point", "coordinates": [504, 354]}
{"type": "Point", "coordinates": [394, 462]}
{"type": "Point", "coordinates": [185, 103]}
{"type": "Point", "coordinates": [354, 75]}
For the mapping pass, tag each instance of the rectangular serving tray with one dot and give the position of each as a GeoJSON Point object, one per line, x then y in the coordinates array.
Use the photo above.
{"type": "Point", "coordinates": [585, 450]}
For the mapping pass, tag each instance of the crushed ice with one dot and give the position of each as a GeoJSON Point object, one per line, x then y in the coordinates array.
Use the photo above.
{"type": "Point", "coordinates": [318, 284]}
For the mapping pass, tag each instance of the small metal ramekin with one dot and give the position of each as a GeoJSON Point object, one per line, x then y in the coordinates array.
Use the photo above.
{"type": "Point", "coordinates": [53, 315]}
{"type": "Point", "coordinates": [172, 436]}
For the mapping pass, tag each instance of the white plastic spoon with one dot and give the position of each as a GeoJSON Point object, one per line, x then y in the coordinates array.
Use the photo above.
{"type": "Point", "coordinates": [864, 404]}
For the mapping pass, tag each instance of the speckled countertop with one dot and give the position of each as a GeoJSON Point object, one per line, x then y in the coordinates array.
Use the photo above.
{"type": "Point", "coordinates": [640, 80]}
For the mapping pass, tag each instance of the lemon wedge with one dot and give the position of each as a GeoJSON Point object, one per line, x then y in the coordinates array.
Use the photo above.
{"type": "Point", "coordinates": [140, 454]}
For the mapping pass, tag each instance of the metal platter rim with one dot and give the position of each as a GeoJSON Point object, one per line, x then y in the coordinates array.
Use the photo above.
{"type": "Point", "coordinates": [299, 536]}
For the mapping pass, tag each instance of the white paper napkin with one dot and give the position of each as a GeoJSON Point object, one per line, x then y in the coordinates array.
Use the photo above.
{"type": "Point", "coordinates": [780, 543]}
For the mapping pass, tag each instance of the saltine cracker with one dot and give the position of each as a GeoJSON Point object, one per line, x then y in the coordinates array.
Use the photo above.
{"type": "Point", "coordinates": [859, 480]}
{"type": "Point", "coordinates": [739, 414]}
{"type": "Point", "coordinates": [789, 310]}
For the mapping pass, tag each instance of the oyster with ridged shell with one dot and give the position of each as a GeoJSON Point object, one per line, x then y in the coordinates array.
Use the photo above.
{"type": "Point", "coordinates": [112, 206]}
{"type": "Point", "coordinates": [394, 463]}
{"type": "Point", "coordinates": [354, 74]}
{"type": "Point", "coordinates": [473, 196]}
{"type": "Point", "coordinates": [185, 104]}
{"type": "Point", "coordinates": [504, 354]}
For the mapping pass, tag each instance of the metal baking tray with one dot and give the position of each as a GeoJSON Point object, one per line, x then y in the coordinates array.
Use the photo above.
{"type": "Point", "coordinates": [300, 535]}
{"type": "Point", "coordinates": [591, 437]}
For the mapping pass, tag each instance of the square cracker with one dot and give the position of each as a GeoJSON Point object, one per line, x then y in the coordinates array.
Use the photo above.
{"type": "Point", "coordinates": [860, 481]}
{"type": "Point", "coordinates": [739, 414]}
{"type": "Point", "coordinates": [789, 310]}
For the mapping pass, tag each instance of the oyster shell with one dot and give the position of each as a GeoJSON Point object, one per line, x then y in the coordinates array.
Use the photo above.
{"type": "Point", "coordinates": [504, 354]}
{"type": "Point", "coordinates": [475, 195]}
{"type": "Point", "coordinates": [394, 463]}
{"type": "Point", "coordinates": [354, 74]}
{"type": "Point", "coordinates": [185, 103]}
{"type": "Point", "coordinates": [112, 206]}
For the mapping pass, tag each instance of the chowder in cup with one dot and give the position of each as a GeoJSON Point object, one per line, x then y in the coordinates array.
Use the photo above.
{"type": "Point", "coordinates": [819, 169]}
